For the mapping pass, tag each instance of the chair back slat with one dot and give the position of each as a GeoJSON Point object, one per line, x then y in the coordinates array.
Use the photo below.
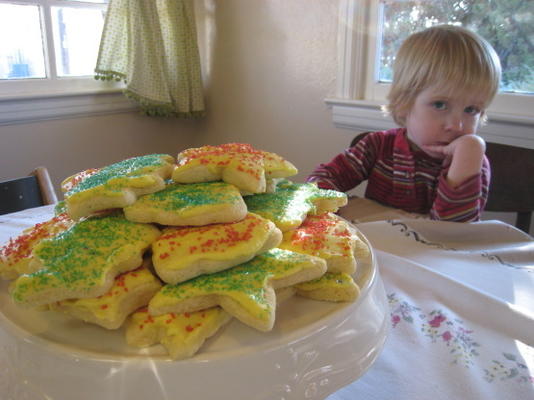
{"type": "Point", "coordinates": [30, 191]}
{"type": "Point", "coordinates": [512, 182]}
{"type": "Point", "coordinates": [19, 194]}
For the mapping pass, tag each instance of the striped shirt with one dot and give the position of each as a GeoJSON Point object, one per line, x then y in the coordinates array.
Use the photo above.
{"type": "Point", "coordinates": [402, 178]}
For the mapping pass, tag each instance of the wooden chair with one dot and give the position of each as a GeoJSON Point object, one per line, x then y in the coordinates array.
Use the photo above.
{"type": "Point", "coordinates": [512, 182]}
{"type": "Point", "coordinates": [30, 191]}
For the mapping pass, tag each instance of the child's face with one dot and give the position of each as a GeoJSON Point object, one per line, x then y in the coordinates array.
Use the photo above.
{"type": "Point", "coordinates": [438, 118]}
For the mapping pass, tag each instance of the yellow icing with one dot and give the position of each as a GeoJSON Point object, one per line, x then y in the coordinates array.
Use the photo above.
{"type": "Point", "coordinates": [329, 280]}
{"type": "Point", "coordinates": [188, 200]}
{"type": "Point", "coordinates": [246, 284]}
{"type": "Point", "coordinates": [236, 163]}
{"type": "Point", "coordinates": [78, 261]}
{"type": "Point", "coordinates": [325, 236]}
{"type": "Point", "coordinates": [291, 202]}
{"type": "Point", "coordinates": [334, 287]}
{"type": "Point", "coordinates": [277, 167]}
{"type": "Point", "coordinates": [179, 248]}
{"type": "Point", "coordinates": [15, 255]}
{"type": "Point", "coordinates": [181, 334]}
{"type": "Point", "coordinates": [117, 185]}
{"type": "Point", "coordinates": [107, 306]}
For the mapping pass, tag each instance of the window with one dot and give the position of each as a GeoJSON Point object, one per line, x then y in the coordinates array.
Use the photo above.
{"type": "Point", "coordinates": [49, 51]}
{"type": "Point", "coordinates": [372, 30]}
{"type": "Point", "coordinates": [52, 48]}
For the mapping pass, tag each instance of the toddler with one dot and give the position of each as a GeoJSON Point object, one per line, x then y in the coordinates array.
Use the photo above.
{"type": "Point", "coordinates": [444, 79]}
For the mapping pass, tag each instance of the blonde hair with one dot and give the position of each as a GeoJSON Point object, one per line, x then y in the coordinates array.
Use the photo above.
{"type": "Point", "coordinates": [448, 56]}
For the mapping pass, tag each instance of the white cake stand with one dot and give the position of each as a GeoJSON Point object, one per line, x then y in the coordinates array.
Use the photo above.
{"type": "Point", "coordinates": [315, 349]}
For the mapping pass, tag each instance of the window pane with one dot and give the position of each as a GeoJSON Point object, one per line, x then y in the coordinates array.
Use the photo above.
{"type": "Point", "coordinates": [507, 24]}
{"type": "Point", "coordinates": [77, 34]}
{"type": "Point", "coordinates": [21, 49]}
{"type": "Point", "coordinates": [92, 1]}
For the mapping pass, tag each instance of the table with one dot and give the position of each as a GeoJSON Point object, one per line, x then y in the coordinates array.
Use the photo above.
{"type": "Point", "coordinates": [461, 299]}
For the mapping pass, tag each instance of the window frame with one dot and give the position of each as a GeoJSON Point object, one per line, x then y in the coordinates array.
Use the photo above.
{"type": "Point", "coordinates": [53, 97]}
{"type": "Point", "coordinates": [358, 98]}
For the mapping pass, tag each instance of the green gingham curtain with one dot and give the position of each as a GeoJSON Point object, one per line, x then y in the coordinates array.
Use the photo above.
{"type": "Point", "coordinates": [151, 45]}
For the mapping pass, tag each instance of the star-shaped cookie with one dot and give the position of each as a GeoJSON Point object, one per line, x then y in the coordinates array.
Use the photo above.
{"type": "Point", "coordinates": [236, 163]}
{"type": "Point", "coordinates": [15, 255]}
{"type": "Point", "coordinates": [335, 287]}
{"type": "Point", "coordinates": [192, 204]}
{"type": "Point", "coordinates": [182, 335]}
{"type": "Point", "coordinates": [182, 253]}
{"type": "Point", "coordinates": [83, 260]}
{"type": "Point", "coordinates": [69, 183]}
{"type": "Point", "coordinates": [118, 185]}
{"type": "Point", "coordinates": [291, 202]}
{"type": "Point", "coordinates": [245, 291]}
{"type": "Point", "coordinates": [327, 236]}
{"type": "Point", "coordinates": [130, 290]}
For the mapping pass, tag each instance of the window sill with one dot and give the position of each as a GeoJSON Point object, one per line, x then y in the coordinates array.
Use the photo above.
{"type": "Point", "coordinates": [366, 116]}
{"type": "Point", "coordinates": [25, 109]}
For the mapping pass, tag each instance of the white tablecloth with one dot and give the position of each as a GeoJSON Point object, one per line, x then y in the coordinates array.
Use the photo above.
{"type": "Point", "coordinates": [462, 309]}
{"type": "Point", "coordinates": [461, 300]}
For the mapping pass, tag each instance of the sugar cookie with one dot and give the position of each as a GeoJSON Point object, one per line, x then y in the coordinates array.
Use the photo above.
{"type": "Point", "coordinates": [335, 287]}
{"type": "Point", "coordinates": [289, 205]}
{"type": "Point", "coordinates": [327, 236]}
{"type": "Point", "coordinates": [192, 204]}
{"type": "Point", "coordinates": [83, 260]}
{"type": "Point", "coordinates": [236, 163]}
{"type": "Point", "coordinates": [118, 185]}
{"type": "Point", "coordinates": [130, 291]}
{"type": "Point", "coordinates": [182, 335]}
{"type": "Point", "coordinates": [245, 291]}
{"type": "Point", "coordinates": [183, 253]}
{"type": "Point", "coordinates": [15, 255]}
{"type": "Point", "coordinates": [69, 183]}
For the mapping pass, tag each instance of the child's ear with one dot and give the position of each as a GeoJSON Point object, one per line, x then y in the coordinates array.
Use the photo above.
{"type": "Point", "coordinates": [400, 118]}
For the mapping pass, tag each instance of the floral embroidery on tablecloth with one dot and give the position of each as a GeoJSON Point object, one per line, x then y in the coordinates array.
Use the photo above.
{"type": "Point", "coordinates": [440, 328]}
{"type": "Point", "coordinates": [508, 368]}
{"type": "Point", "coordinates": [437, 326]}
{"type": "Point", "coordinates": [401, 310]}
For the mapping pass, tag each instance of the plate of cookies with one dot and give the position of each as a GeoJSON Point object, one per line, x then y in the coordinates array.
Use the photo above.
{"type": "Point", "coordinates": [208, 275]}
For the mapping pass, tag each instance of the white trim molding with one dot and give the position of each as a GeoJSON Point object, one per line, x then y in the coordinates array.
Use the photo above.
{"type": "Point", "coordinates": [32, 109]}
{"type": "Point", "coordinates": [357, 107]}
{"type": "Point", "coordinates": [362, 116]}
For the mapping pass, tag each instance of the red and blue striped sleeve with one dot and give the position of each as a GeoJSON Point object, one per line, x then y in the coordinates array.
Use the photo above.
{"type": "Point", "coordinates": [349, 168]}
{"type": "Point", "coordinates": [465, 202]}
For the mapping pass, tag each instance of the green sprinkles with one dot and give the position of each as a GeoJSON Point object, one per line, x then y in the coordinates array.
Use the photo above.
{"type": "Point", "coordinates": [178, 196]}
{"type": "Point", "coordinates": [290, 202]}
{"type": "Point", "coordinates": [130, 167]}
{"type": "Point", "coordinates": [79, 258]}
{"type": "Point", "coordinates": [249, 279]}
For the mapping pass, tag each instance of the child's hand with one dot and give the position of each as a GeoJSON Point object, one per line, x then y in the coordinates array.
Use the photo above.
{"type": "Point", "coordinates": [466, 153]}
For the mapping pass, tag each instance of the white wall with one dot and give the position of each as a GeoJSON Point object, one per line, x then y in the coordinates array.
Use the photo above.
{"type": "Point", "coordinates": [71, 145]}
{"type": "Point", "coordinates": [269, 66]}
